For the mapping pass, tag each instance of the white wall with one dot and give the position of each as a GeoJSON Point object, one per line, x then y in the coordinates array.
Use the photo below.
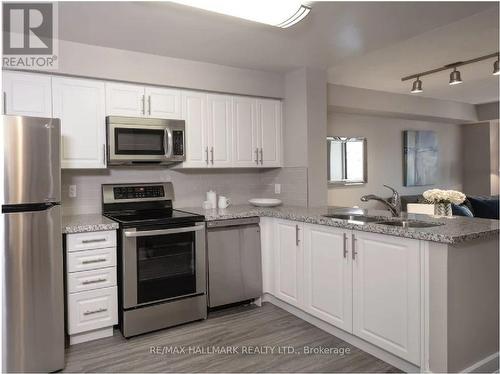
{"type": "Point", "coordinates": [117, 64]}
{"type": "Point", "coordinates": [385, 155]}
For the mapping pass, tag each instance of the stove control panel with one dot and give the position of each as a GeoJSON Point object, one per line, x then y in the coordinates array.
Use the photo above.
{"type": "Point", "coordinates": [138, 192]}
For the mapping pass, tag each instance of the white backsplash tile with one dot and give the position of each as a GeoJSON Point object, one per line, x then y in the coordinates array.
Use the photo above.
{"type": "Point", "coordinates": [190, 186]}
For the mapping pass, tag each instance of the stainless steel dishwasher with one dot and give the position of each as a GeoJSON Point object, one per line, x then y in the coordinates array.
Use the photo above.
{"type": "Point", "coordinates": [234, 261]}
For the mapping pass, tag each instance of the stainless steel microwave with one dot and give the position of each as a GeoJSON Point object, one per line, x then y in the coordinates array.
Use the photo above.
{"type": "Point", "coordinates": [136, 141]}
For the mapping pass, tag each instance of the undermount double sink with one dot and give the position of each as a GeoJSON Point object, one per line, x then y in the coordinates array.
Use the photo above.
{"type": "Point", "coordinates": [362, 219]}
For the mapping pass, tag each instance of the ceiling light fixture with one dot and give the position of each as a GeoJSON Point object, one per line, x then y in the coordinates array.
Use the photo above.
{"type": "Point", "coordinates": [455, 77]}
{"type": "Point", "coordinates": [417, 86]}
{"type": "Point", "coordinates": [274, 13]}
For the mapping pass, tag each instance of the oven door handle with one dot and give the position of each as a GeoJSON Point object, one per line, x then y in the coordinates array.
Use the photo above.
{"type": "Point", "coordinates": [169, 143]}
{"type": "Point", "coordinates": [134, 234]}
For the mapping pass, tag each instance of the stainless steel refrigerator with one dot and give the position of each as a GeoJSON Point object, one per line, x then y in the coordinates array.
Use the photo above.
{"type": "Point", "coordinates": [33, 297]}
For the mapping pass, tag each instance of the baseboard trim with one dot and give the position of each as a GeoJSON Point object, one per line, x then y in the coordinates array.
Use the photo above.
{"type": "Point", "coordinates": [349, 338]}
{"type": "Point", "coordinates": [486, 365]}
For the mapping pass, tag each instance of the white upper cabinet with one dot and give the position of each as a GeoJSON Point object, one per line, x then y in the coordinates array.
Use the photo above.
{"type": "Point", "coordinates": [79, 103]}
{"type": "Point", "coordinates": [27, 94]}
{"type": "Point", "coordinates": [245, 132]}
{"type": "Point", "coordinates": [163, 102]}
{"type": "Point", "coordinates": [386, 293]}
{"type": "Point", "coordinates": [328, 275]}
{"type": "Point", "coordinates": [125, 100]}
{"type": "Point", "coordinates": [142, 101]}
{"type": "Point", "coordinates": [194, 112]}
{"type": "Point", "coordinates": [269, 117]}
{"type": "Point", "coordinates": [219, 109]}
{"type": "Point", "coordinates": [288, 262]}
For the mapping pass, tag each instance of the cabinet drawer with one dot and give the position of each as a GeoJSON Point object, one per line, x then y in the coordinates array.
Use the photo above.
{"type": "Point", "coordinates": [89, 260]}
{"type": "Point", "coordinates": [92, 310]}
{"type": "Point", "coordinates": [91, 279]}
{"type": "Point", "coordinates": [90, 240]}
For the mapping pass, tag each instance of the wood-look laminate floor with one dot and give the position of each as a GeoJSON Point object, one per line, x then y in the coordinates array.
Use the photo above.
{"type": "Point", "coordinates": [245, 328]}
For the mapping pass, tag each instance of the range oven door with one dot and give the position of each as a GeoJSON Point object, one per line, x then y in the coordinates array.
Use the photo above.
{"type": "Point", "coordinates": [133, 143]}
{"type": "Point", "coordinates": [162, 264]}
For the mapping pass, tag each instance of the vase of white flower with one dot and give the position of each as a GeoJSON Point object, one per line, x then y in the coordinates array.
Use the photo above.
{"type": "Point", "coordinates": [442, 200]}
{"type": "Point", "coordinates": [443, 209]}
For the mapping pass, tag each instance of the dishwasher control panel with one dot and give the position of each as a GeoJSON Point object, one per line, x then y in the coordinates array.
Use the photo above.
{"type": "Point", "coordinates": [233, 222]}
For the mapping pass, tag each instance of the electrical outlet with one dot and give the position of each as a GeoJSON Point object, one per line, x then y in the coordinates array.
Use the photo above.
{"type": "Point", "coordinates": [72, 190]}
{"type": "Point", "coordinates": [277, 188]}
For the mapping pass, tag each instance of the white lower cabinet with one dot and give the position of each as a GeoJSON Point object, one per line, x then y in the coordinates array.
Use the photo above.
{"type": "Point", "coordinates": [328, 275]}
{"type": "Point", "coordinates": [288, 262]}
{"type": "Point", "coordinates": [364, 283]}
{"type": "Point", "coordinates": [386, 293]}
{"type": "Point", "coordinates": [91, 289]}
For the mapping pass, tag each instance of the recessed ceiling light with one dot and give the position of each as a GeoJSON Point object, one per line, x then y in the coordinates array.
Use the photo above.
{"type": "Point", "coordinates": [275, 13]}
{"type": "Point", "coordinates": [417, 86]}
{"type": "Point", "coordinates": [455, 77]}
{"type": "Point", "coordinates": [495, 68]}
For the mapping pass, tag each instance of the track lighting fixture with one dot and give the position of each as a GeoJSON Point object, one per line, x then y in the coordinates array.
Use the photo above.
{"type": "Point", "coordinates": [417, 86]}
{"type": "Point", "coordinates": [455, 77]}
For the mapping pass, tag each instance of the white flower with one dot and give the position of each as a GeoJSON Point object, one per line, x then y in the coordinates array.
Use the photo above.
{"type": "Point", "coordinates": [438, 196]}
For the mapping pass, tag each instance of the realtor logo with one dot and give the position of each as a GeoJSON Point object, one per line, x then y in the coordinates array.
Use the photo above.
{"type": "Point", "coordinates": [29, 35]}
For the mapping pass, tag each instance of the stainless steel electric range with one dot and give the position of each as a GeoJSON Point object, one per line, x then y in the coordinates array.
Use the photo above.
{"type": "Point", "coordinates": [161, 258]}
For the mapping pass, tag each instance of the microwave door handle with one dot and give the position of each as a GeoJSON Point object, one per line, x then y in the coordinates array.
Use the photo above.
{"type": "Point", "coordinates": [134, 234]}
{"type": "Point", "coordinates": [169, 143]}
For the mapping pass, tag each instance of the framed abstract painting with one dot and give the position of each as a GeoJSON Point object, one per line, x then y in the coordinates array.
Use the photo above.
{"type": "Point", "coordinates": [421, 157]}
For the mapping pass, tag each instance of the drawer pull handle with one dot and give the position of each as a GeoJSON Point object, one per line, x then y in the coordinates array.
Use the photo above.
{"type": "Point", "coordinates": [93, 261]}
{"type": "Point", "coordinates": [93, 240]}
{"type": "Point", "coordinates": [100, 310]}
{"type": "Point", "coordinates": [100, 280]}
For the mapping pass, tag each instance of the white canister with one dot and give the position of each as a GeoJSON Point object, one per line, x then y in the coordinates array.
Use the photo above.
{"type": "Point", "coordinates": [212, 197]}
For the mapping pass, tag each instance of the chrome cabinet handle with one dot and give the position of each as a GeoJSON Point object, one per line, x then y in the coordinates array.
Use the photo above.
{"type": "Point", "coordinates": [87, 241]}
{"type": "Point", "coordinates": [354, 252]}
{"type": "Point", "coordinates": [4, 102]}
{"type": "Point", "coordinates": [143, 104]}
{"type": "Point", "coordinates": [206, 151]}
{"type": "Point", "coordinates": [345, 245]}
{"type": "Point", "coordinates": [262, 156]}
{"type": "Point", "coordinates": [100, 310]}
{"type": "Point", "coordinates": [134, 234]}
{"type": "Point", "coordinates": [100, 280]}
{"type": "Point", "coordinates": [212, 153]}
{"type": "Point", "coordinates": [104, 154]}
{"type": "Point", "coordinates": [149, 104]}
{"type": "Point", "coordinates": [85, 262]}
{"type": "Point", "coordinates": [297, 240]}
{"type": "Point", "coordinates": [257, 156]}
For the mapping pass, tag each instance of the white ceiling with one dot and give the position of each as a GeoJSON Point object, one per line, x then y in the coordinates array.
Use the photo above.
{"type": "Point", "coordinates": [339, 36]}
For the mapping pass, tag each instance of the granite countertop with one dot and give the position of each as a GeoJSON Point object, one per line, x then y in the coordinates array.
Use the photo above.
{"type": "Point", "coordinates": [453, 230]}
{"type": "Point", "coordinates": [87, 223]}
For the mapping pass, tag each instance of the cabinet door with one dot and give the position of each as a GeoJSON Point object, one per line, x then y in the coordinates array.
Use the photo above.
{"type": "Point", "coordinates": [328, 275]}
{"type": "Point", "coordinates": [27, 94]}
{"type": "Point", "coordinates": [194, 112]}
{"type": "Point", "coordinates": [288, 262]}
{"type": "Point", "coordinates": [245, 147]}
{"type": "Point", "coordinates": [269, 113]}
{"type": "Point", "coordinates": [386, 293]}
{"type": "Point", "coordinates": [268, 253]}
{"type": "Point", "coordinates": [219, 125]}
{"type": "Point", "coordinates": [125, 100]}
{"type": "Point", "coordinates": [79, 103]}
{"type": "Point", "coordinates": [163, 102]}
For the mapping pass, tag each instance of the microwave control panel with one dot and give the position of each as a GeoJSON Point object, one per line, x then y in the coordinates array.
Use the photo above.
{"type": "Point", "coordinates": [178, 142]}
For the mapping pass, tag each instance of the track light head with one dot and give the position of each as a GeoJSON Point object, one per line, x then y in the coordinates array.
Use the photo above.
{"type": "Point", "coordinates": [495, 68]}
{"type": "Point", "coordinates": [417, 86]}
{"type": "Point", "coordinates": [455, 77]}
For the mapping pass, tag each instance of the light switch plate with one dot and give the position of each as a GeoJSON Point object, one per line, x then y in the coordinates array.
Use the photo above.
{"type": "Point", "coordinates": [277, 188]}
{"type": "Point", "coordinates": [72, 190]}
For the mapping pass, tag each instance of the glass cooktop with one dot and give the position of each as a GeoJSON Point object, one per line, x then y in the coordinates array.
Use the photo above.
{"type": "Point", "coordinates": [154, 216]}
